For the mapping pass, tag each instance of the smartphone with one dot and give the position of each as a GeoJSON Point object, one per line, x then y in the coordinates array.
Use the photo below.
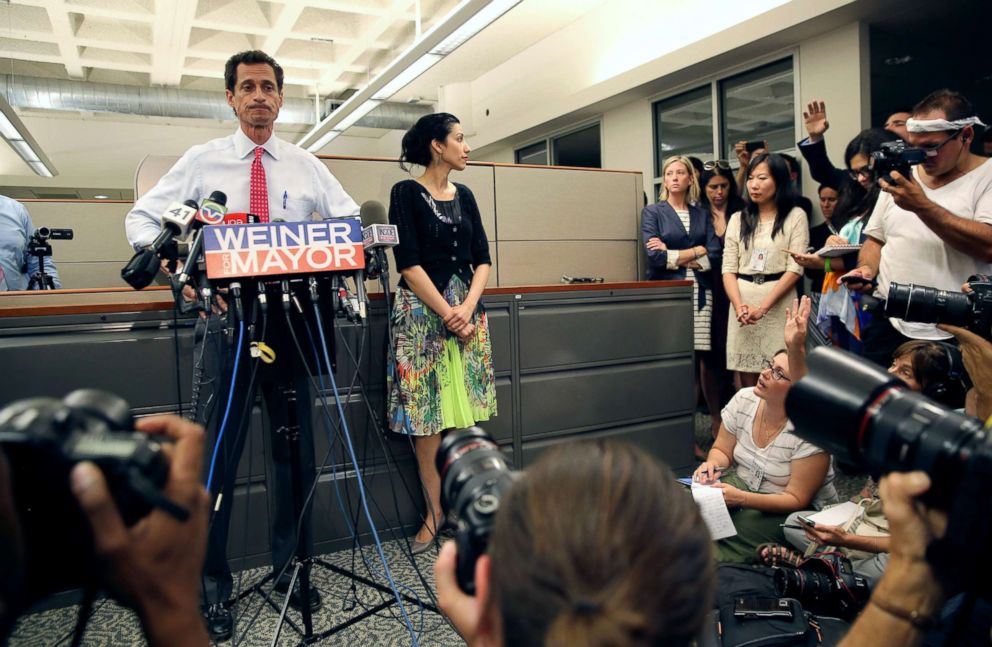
{"type": "Point", "coordinates": [753, 145]}
{"type": "Point", "coordinates": [806, 520]}
{"type": "Point", "coordinates": [858, 279]}
{"type": "Point", "coordinates": [761, 607]}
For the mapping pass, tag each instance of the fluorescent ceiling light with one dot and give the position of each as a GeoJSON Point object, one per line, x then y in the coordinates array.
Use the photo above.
{"type": "Point", "coordinates": [464, 21]}
{"type": "Point", "coordinates": [7, 129]}
{"type": "Point", "coordinates": [23, 150]}
{"type": "Point", "coordinates": [101, 197]}
{"type": "Point", "coordinates": [475, 24]}
{"type": "Point", "coordinates": [407, 76]}
{"type": "Point", "coordinates": [40, 169]}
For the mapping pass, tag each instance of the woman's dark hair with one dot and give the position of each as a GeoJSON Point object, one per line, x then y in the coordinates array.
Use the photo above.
{"type": "Point", "coordinates": [634, 568]}
{"type": "Point", "coordinates": [734, 200]}
{"type": "Point", "coordinates": [785, 196]}
{"type": "Point", "coordinates": [932, 365]}
{"type": "Point", "coordinates": [854, 201]}
{"type": "Point", "coordinates": [416, 145]}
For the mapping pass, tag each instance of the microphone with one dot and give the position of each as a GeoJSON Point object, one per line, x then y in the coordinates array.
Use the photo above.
{"type": "Point", "coordinates": [210, 212]}
{"type": "Point", "coordinates": [377, 235]}
{"type": "Point", "coordinates": [140, 271]}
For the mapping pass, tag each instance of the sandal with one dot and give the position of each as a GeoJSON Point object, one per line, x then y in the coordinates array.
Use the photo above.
{"type": "Point", "coordinates": [778, 555]}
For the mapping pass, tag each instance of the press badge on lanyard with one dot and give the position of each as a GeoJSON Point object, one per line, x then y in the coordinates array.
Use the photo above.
{"type": "Point", "coordinates": [758, 258]}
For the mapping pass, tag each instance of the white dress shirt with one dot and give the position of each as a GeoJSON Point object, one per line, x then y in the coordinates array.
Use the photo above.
{"type": "Point", "coordinates": [298, 184]}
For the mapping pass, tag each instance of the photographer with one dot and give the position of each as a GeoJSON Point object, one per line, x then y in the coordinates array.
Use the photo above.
{"type": "Point", "coordinates": [17, 266]}
{"type": "Point", "coordinates": [634, 568]}
{"type": "Point", "coordinates": [154, 566]}
{"type": "Point", "coordinates": [932, 228]}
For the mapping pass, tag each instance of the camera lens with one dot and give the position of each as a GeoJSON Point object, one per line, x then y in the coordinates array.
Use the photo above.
{"type": "Point", "coordinates": [467, 460]}
{"type": "Point", "coordinates": [928, 305]}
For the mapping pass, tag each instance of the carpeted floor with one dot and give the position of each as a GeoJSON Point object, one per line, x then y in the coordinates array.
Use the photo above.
{"type": "Point", "coordinates": [113, 625]}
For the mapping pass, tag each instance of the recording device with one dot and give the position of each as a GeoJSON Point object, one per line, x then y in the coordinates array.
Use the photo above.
{"type": "Point", "coordinates": [377, 235]}
{"type": "Point", "coordinates": [876, 422]}
{"type": "Point", "coordinates": [39, 247]}
{"type": "Point", "coordinates": [752, 146]}
{"type": "Point", "coordinates": [43, 439]}
{"type": "Point", "coordinates": [895, 156]}
{"type": "Point", "coordinates": [140, 271]}
{"type": "Point", "coordinates": [475, 476]}
{"type": "Point", "coordinates": [971, 310]}
{"type": "Point", "coordinates": [825, 584]}
{"type": "Point", "coordinates": [859, 280]}
{"type": "Point", "coordinates": [211, 212]}
{"type": "Point", "coordinates": [753, 606]}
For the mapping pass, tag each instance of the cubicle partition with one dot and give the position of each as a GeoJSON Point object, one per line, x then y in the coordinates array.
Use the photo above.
{"type": "Point", "coordinates": [542, 222]}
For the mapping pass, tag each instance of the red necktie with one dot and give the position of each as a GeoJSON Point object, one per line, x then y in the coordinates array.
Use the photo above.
{"type": "Point", "coordinates": [259, 198]}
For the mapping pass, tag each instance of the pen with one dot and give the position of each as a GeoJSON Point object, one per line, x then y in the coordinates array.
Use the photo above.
{"type": "Point", "coordinates": [791, 527]}
{"type": "Point", "coordinates": [285, 197]}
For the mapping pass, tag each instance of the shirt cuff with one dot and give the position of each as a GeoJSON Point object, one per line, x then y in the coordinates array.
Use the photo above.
{"type": "Point", "coordinates": [672, 263]}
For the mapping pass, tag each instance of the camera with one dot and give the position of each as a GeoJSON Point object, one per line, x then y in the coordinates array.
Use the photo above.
{"type": "Point", "coordinates": [825, 584]}
{"type": "Point", "coordinates": [864, 416]}
{"type": "Point", "coordinates": [43, 439]}
{"type": "Point", "coordinates": [895, 156]}
{"type": "Point", "coordinates": [44, 233]}
{"type": "Point", "coordinates": [475, 476]}
{"type": "Point", "coordinates": [39, 247]}
{"type": "Point", "coordinates": [971, 310]}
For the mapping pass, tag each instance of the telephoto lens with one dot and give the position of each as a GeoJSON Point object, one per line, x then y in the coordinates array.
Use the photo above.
{"type": "Point", "coordinates": [911, 302]}
{"type": "Point", "coordinates": [475, 476]}
{"type": "Point", "coordinates": [863, 415]}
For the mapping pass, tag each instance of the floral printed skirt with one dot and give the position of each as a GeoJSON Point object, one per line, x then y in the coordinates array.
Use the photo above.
{"type": "Point", "coordinates": [438, 382]}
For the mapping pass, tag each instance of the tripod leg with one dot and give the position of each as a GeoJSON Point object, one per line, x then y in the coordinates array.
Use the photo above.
{"type": "Point", "coordinates": [285, 606]}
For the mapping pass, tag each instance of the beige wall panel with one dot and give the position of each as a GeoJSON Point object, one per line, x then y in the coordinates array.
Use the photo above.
{"type": "Point", "coordinates": [97, 274]}
{"type": "Point", "coordinates": [555, 204]}
{"type": "Point", "coordinates": [544, 262]}
{"type": "Point", "coordinates": [98, 229]}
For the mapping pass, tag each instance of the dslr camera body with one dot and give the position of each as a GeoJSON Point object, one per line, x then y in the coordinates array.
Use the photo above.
{"type": "Point", "coordinates": [43, 438]}
{"type": "Point", "coordinates": [825, 584]}
{"type": "Point", "coordinates": [895, 156]}
{"type": "Point", "coordinates": [971, 310]}
{"type": "Point", "coordinates": [475, 477]}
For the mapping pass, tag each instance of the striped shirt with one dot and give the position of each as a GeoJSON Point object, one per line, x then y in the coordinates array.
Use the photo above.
{"type": "Point", "coordinates": [768, 469]}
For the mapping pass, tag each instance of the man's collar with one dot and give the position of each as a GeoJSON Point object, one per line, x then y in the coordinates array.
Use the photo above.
{"type": "Point", "coordinates": [244, 146]}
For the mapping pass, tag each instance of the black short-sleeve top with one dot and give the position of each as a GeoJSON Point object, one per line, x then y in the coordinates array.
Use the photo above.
{"type": "Point", "coordinates": [445, 237]}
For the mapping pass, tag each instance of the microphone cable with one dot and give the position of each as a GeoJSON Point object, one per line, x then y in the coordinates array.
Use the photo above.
{"type": "Point", "coordinates": [360, 480]}
{"type": "Point", "coordinates": [227, 410]}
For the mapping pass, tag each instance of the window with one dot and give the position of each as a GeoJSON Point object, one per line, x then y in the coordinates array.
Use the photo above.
{"type": "Point", "coordinates": [579, 148]}
{"type": "Point", "coordinates": [576, 148]}
{"type": "Point", "coordinates": [683, 125]}
{"type": "Point", "coordinates": [533, 154]}
{"type": "Point", "coordinates": [759, 105]}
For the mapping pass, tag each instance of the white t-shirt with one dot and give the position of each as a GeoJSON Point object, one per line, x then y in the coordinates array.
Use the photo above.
{"type": "Point", "coordinates": [768, 469]}
{"type": "Point", "coordinates": [913, 253]}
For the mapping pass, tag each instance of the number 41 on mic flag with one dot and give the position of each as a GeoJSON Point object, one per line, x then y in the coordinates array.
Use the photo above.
{"type": "Point", "coordinates": [274, 248]}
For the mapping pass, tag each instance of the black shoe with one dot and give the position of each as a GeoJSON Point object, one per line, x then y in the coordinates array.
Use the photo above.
{"type": "Point", "coordinates": [219, 622]}
{"type": "Point", "coordinates": [296, 600]}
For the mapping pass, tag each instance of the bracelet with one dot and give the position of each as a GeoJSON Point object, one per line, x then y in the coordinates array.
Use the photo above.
{"type": "Point", "coordinates": [914, 617]}
{"type": "Point", "coordinates": [826, 265]}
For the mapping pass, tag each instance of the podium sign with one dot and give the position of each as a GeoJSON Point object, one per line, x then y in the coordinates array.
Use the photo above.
{"type": "Point", "coordinates": [277, 248]}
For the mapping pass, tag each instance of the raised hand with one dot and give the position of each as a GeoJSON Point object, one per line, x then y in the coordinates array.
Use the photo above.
{"type": "Point", "coordinates": [815, 120]}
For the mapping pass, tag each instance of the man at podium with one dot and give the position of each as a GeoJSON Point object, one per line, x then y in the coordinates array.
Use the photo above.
{"type": "Point", "coordinates": [274, 180]}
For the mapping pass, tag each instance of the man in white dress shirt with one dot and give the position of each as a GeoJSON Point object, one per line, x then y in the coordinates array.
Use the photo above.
{"type": "Point", "coordinates": [273, 179]}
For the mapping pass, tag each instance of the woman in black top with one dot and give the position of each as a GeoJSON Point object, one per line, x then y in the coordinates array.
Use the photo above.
{"type": "Point", "coordinates": [443, 375]}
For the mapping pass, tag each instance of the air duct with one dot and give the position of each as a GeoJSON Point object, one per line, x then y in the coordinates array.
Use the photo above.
{"type": "Point", "coordinates": [63, 94]}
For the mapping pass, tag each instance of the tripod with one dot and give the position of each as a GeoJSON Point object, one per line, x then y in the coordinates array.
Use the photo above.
{"type": "Point", "coordinates": [40, 280]}
{"type": "Point", "coordinates": [302, 560]}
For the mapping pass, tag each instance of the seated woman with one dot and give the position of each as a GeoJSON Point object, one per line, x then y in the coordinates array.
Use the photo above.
{"type": "Point", "coordinates": [776, 472]}
{"type": "Point", "coordinates": [926, 367]}
{"type": "Point", "coordinates": [635, 568]}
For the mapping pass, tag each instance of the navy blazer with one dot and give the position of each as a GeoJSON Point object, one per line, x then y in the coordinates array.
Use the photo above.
{"type": "Point", "coordinates": [659, 220]}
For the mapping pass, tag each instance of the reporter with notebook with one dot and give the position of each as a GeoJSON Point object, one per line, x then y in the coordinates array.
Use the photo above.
{"type": "Point", "coordinates": [776, 472]}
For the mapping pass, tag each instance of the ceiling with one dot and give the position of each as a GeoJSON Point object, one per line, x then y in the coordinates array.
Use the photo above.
{"type": "Point", "coordinates": [324, 46]}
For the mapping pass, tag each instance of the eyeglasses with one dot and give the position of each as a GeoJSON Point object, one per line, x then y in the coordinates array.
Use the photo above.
{"type": "Point", "coordinates": [931, 150]}
{"type": "Point", "coordinates": [709, 166]}
{"type": "Point", "coordinates": [856, 173]}
{"type": "Point", "coordinates": [766, 365]}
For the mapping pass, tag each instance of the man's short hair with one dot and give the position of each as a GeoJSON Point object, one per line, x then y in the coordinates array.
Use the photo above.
{"type": "Point", "coordinates": [953, 104]}
{"type": "Point", "coordinates": [250, 57]}
{"type": "Point", "coordinates": [792, 162]}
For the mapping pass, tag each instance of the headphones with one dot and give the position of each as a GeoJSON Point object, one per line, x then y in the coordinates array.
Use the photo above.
{"type": "Point", "coordinates": [950, 390]}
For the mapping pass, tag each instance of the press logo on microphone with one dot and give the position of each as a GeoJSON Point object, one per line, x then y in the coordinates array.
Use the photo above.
{"type": "Point", "coordinates": [275, 248]}
{"type": "Point", "coordinates": [210, 214]}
